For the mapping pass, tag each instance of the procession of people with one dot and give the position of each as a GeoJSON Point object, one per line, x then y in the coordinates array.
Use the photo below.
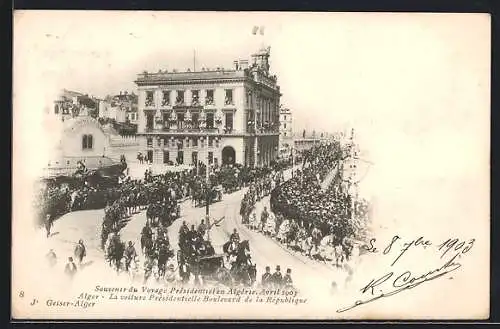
{"type": "Point", "coordinates": [302, 214]}
{"type": "Point", "coordinates": [321, 223]}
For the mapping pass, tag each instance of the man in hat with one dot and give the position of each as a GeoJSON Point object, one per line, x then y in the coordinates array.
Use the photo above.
{"type": "Point", "coordinates": [287, 279]}
{"type": "Point", "coordinates": [48, 224]}
{"type": "Point", "coordinates": [277, 278]}
{"type": "Point", "coordinates": [266, 278]}
{"type": "Point", "coordinates": [80, 251]}
{"type": "Point", "coordinates": [130, 255]}
{"type": "Point", "coordinates": [51, 257]}
{"type": "Point", "coordinates": [202, 228]}
{"type": "Point", "coordinates": [70, 268]}
{"type": "Point", "coordinates": [235, 237]}
{"type": "Point", "coordinates": [263, 218]}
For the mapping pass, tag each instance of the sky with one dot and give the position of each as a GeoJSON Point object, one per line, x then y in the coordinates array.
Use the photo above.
{"type": "Point", "coordinates": [336, 65]}
{"type": "Point", "coordinates": [405, 82]}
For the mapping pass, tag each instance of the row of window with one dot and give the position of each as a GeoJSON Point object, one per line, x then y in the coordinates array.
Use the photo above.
{"type": "Point", "coordinates": [181, 122]}
{"type": "Point", "coordinates": [195, 97]}
{"type": "Point", "coordinates": [180, 157]}
{"type": "Point", "coordinates": [180, 143]}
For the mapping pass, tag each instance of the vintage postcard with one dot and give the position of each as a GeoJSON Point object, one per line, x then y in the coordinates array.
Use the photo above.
{"type": "Point", "coordinates": [228, 165]}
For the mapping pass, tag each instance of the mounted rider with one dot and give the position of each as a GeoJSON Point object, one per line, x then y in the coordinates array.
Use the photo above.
{"type": "Point", "coordinates": [183, 233]}
{"type": "Point", "coordinates": [146, 231]}
{"type": "Point", "coordinates": [202, 228]}
{"type": "Point", "coordinates": [130, 255]}
{"type": "Point", "coordinates": [235, 237]}
{"type": "Point", "coordinates": [263, 218]}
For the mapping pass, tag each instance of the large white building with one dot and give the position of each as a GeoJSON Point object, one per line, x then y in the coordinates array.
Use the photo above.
{"type": "Point", "coordinates": [286, 133]}
{"type": "Point", "coordinates": [222, 116]}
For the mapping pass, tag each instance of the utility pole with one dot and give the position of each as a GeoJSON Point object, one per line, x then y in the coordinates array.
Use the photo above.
{"type": "Point", "coordinates": [208, 196]}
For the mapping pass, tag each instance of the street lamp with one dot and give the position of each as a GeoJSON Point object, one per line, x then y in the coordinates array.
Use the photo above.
{"type": "Point", "coordinates": [207, 206]}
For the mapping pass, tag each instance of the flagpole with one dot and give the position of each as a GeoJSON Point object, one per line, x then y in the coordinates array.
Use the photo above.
{"type": "Point", "coordinates": [208, 196]}
{"type": "Point", "coordinates": [194, 60]}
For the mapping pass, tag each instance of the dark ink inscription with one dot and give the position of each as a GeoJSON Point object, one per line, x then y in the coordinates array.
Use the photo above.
{"type": "Point", "coordinates": [371, 247]}
{"type": "Point", "coordinates": [388, 248]}
{"type": "Point", "coordinates": [456, 245]}
{"type": "Point", "coordinates": [402, 282]}
{"type": "Point", "coordinates": [415, 243]}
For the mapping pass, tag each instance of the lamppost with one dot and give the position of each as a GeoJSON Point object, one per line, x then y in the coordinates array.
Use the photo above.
{"type": "Point", "coordinates": [208, 188]}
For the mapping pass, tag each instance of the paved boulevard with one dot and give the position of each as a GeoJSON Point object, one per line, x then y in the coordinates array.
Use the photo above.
{"type": "Point", "coordinates": [308, 275]}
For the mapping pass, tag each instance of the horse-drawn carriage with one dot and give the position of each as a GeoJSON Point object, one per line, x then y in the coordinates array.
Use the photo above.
{"type": "Point", "coordinates": [231, 268]}
{"type": "Point", "coordinates": [213, 270]}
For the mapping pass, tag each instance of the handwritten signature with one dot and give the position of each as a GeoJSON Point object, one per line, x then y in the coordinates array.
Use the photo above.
{"type": "Point", "coordinates": [404, 281]}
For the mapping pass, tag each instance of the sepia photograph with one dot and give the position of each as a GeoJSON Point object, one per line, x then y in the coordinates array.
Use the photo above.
{"type": "Point", "coordinates": [250, 166]}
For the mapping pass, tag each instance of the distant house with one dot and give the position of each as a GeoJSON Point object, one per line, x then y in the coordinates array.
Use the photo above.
{"type": "Point", "coordinates": [83, 139]}
{"type": "Point", "coordinates": [70, 103]}
{"type": "Point", "coordinates": [121, 108]}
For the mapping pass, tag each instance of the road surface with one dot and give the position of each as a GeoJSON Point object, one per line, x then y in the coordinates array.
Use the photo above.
{"type": "Point", "coordinates": [308, 275]}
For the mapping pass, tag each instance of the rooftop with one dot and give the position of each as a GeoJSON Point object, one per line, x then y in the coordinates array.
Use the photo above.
{"type": "Point", "coordinates": [195, 75]}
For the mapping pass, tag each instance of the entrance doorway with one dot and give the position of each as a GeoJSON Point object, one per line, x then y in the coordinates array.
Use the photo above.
{"type": "Point", "coordinates": [150, 156]}
{"type": "Point", "coordinates": [228, 155]}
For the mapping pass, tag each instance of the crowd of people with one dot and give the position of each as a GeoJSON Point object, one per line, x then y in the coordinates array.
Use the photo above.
{"type": "Point", "coordinates": [57, 198]}
{"type": "Point", "coordinates": [158, 194]}
{"type": "Point", "coordinates": [315, 215]}
{"type": "Point", "coordinates": [276, 280]}
{"type": "Point", "coordinates": [320, 222]}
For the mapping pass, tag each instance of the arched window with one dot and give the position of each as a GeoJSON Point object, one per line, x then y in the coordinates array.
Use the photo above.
{"type": "Point", "coordinates": [90, 141]}
{"type": "Point", "coordinates": [84, 142]}
{"type": "Point", "coordinates": [87, 142]}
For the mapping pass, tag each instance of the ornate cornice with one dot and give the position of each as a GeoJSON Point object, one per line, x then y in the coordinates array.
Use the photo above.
{"type": "Point", "coordinates": [155, 82]}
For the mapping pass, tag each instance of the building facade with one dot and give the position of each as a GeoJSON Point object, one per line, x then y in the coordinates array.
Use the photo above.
{"type": "Point", "coordinates": [121, 108]}
{"type": "Point", "coordinates": [217, 116]}
{"type": "Point", "coordinates": [70, 104]}
{"type": "Point", "coordinates": [286, 133]}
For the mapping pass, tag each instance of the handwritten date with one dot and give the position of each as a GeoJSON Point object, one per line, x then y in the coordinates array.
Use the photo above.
{"type": "Point", "coordinates": [396, 283]}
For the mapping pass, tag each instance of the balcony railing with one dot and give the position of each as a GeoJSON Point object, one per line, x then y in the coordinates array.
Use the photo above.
{"type": "Point", "coordinates": [183, 130]}
{"type": "Point", "coordinates": [228, 130]}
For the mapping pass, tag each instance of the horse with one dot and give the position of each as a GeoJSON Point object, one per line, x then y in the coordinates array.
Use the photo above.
{"type": "Point", "coordinates": [230, 248]}
{"type": "Point", "coordinates": [146, 242]}
{"type": "Point", "coordinates": [151, 213]}
{"type": "Point", "coordinates": [242, 270]}
{"type": "Point", "coordinates": [184, 268]}
{"type": "Point", "coordinates": [116, 250]}
{"type": "Point", "coordinates": [164, 254]}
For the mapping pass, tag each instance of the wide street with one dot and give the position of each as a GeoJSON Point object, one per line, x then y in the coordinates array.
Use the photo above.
{"type": "Point", "coordinates": [308, 275]}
